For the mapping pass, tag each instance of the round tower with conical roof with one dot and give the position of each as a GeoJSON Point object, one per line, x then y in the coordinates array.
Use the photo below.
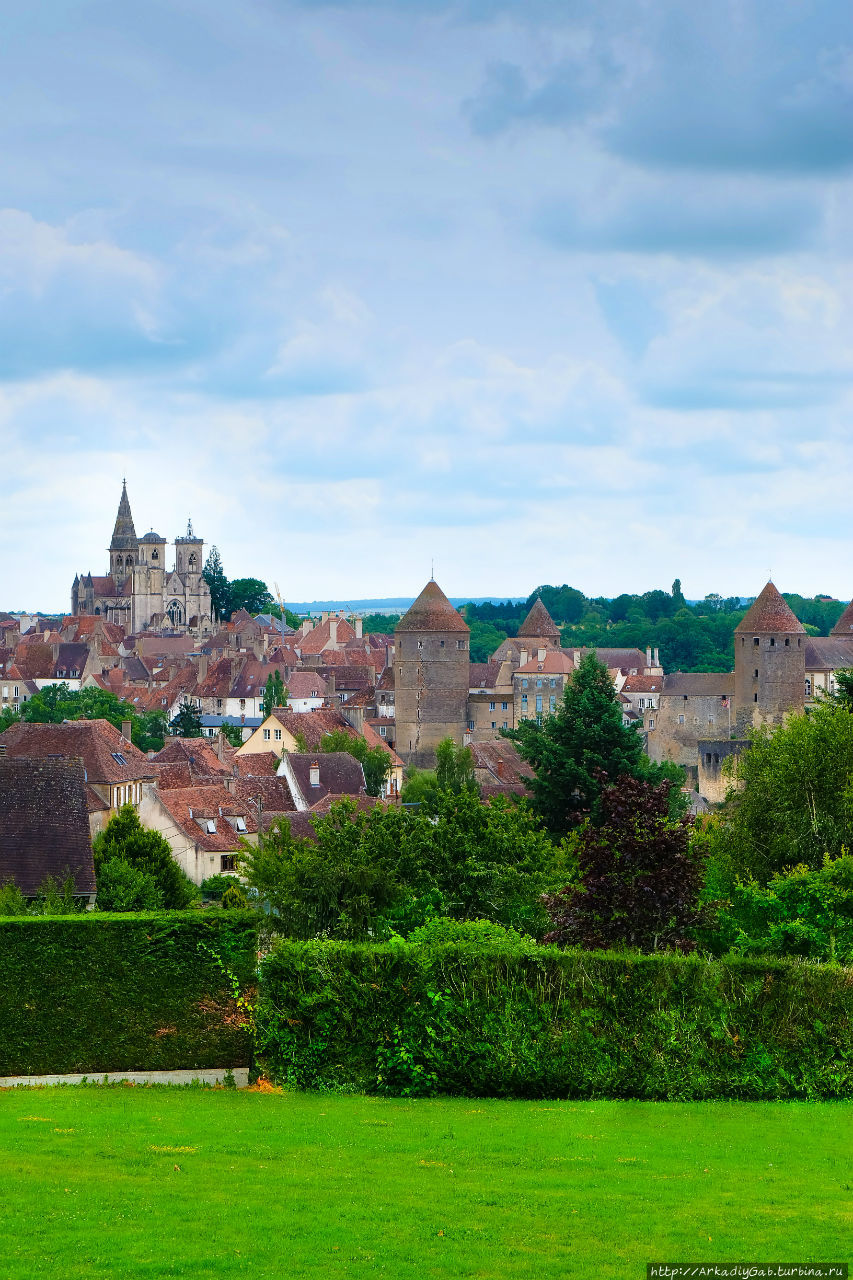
{"type": "Point", "coordinates": [770, 662]}
{"type": "Point", "coordinates": [431, 676]}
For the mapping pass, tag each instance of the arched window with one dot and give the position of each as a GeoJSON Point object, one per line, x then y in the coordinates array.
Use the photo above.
{"type": "Point", "coordinates": [175, 612]}
{"type": "Point", "coordinates": [192, 560]}
{"type": "Point", "coordinates": [128, 564]}
{"type": "Point", "coordinates": [155, 554]}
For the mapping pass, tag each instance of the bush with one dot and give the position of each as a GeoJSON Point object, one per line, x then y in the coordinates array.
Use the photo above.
{"type": "Point", "coordinates": [477, 933]}
{"type": "Point", "coordinates": [95, 993]}
{"type": "Point", "coordinates": [504, 1021]}
{"type": "Point", "coordinates": [123, 887]}
{"type": "Point", "coordinates": [215, 886]}
{"type": "Point", "coordinates": [801, 912]}
{"type": "Point", "coordinates": [125, 837]}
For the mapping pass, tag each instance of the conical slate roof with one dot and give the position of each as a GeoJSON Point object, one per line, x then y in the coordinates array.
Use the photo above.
{"type": "Point", "coordinates": [539, 622]}
{"type": "Point", "coordinates": [844, 625]}
{"type": "Point", "coordinates": [432, 611]}
{"type": "Point", "coordinates": [124, 534]}
{"type": "Point", "coordinates": [770, 613]}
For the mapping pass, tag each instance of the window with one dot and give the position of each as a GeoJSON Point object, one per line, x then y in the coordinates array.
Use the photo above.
{"type": "Point", "coordinates": [240, 825]}
{"type": "Point", "coordinates": [787, 642]}
{"type": "Point", "coordinates": [539, 702]}
{"type": "Point", "coordinates": [553, 684]}
{"type": "Point", "coordinates": [642, 704]}
{"type": "Point", "coordinates": [524, 702]}
{"type": "Point", "coordinates": [755, 697]}
{"type": "Point", "coordinates": [681, 719]}
{"type": "Point", "coordinates": [118, 757]}
{"type": "Point", "coordinates": [471, 724]}
{"type": "Point", "coordinates": [460, 644]}
{"type": "Point", "coordinates": [808, 688]}
{"type": "Point", "coordinates": [155, 555]}
{"type": "Point", "coordinates": [278, 735]}
{"type": "Point", "coordinates": [772, 641]}
{"type": "Point", "coordinates": [552, 704]}
{"type": "Point", "coordinates": [441, 644]}
{"type": "Point", "coordinates": [210, 826]}
{"type": "Point", "coordinates": [651, 724]}
{"type": "Point", "coordinates": [228, 862]}
{"type": "Point", "coordinates": [524, 684]}
{"type": "Point", "coordinates": [218, 704]}
{"type": "Point", "coordinates": [494, 725]}
{"type": "Point", "coordinates": [420, 644]}
{"type": "Point", "coordinates": [538, 684]}
{"type": "Point", "coordinates": [491, 708]}
{"type": "Point", "coordinates": [755, 674]}
{"type": "Point", "coordinates": [756, 642]}
{"type": "Point", "coordinates": [383, 732]}
{"type": "Point", "coordinates": [504, 706]}
{"type": "Point", "coordinates": [266, 735]}
{"type": "Point", "coordinates": [15, 694]}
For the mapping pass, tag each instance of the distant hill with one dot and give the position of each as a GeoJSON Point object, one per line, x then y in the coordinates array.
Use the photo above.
{"type": "Point", "coordinates": [395, 604]}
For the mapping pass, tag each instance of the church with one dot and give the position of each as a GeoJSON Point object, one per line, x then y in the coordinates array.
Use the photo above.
{"type": "Point", "coordinates": [139, 593]}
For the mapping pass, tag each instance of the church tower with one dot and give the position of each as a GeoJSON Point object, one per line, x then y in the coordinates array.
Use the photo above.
{"type": "Point", "coordinates": [770, 663]}
{"type": "Point", "coordinates": [124, 547]}
{"type": "Point", "coordinates": [432, 676]}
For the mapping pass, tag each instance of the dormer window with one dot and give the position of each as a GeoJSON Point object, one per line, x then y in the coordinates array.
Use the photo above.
{"type": "Point", "coordinates": [209, 825]}
{"type": "Point", "coordinates": [119, 758]}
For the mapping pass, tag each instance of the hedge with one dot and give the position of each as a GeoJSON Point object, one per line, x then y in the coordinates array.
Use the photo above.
{"type": "Point", "coordinates": [541, 1022]}
{"type": "Point", "coordinates": [97, 992]}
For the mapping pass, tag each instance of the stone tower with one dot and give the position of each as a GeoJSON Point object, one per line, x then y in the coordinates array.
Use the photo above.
{"type": "Point", "coordinates": [539, 629]}
{"type": "Point", "coordinates": [844, 625]}
{"type": "Point", "coordinates": [124, 547]}
{"type": "Point", "coordinates": [432, 676]}
{"type": "Point", "coordinates": [770, 663]}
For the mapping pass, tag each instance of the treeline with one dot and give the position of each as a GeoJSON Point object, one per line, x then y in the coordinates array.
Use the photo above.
{"type": "Point", "coordinates": [690, 637]}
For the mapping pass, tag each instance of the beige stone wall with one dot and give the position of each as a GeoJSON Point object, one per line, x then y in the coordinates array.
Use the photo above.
{"type": "Point", "coordinates": [770, 678]}
{"type": "Point", "coordinates": [717, 767]}
{"type": "Point", "coordinates": [680, 721]}
{"type": "Point", "coordinates": [431, 692]}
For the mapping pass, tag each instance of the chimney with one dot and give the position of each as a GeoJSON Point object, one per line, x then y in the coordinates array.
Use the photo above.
{"type": "Point", "coordinates": [330, 685]}
{"type": "Point", "coordinates": [541, 655]}
{"type": "Point", "coordinates": [220, 745]}
{"type": "Point", "coordinates": [126, 729]}
{"type": "Point", "coordinates": [359, 628]}
{"type": "Point", "coordinates": [523, 661]}
{"type": "Point", "coordinates": [230, 785]}
{"type": "Point", "coordinates": [500, 767]}
{"type": "Point", "coordinates": [324, 617]}
{"type": "Point", "coordinates": [657, 658]}
{"type": "Point", "coordinates": [648, 655]}
{"type": "Point", "coordinates": [333, 633]}
{"type": "Point", "coordinates": [314, 774]}
{"type": "Point", "coordinates": [202, 666]}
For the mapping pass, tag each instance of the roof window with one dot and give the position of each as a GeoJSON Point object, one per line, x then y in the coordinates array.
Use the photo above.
{"type": "Point", "coordinates": [210, 826]}
{"type": "Point", "coordinates": [118, 757]}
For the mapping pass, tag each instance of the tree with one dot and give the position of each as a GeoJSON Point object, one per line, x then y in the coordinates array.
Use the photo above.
{"type": "Point", "coordinates": [186, 723]}
{"type": "Point", "coordinates": [392, 868]}
{"type": "Point", "coordinates": [250, 594]}
{"type": "Point", "coordinates": [56, 702]}
{"type": "Point", "coordinates": [375, 761]}
{"type": "Point", "coordinates": [573, 750]}
{"type": "Point", "coordinates": [125, 838]}
{"type": "Point", "coordinates": [275, 693]}
{"type": "Point", "coordinates": [454, 767]}
{"type": "Point", "coordinates": [214, 576]}
{"type": "Point", "coordinates": [232, 733]}
{"type": "Point", "coordinates": [794, 805]}
{"type": "Point", "coordinates": [639, 880]}
{"type": "Point", "coordinates": [843, 695]}
{"type": "Point", "coordinates": [125, 887]}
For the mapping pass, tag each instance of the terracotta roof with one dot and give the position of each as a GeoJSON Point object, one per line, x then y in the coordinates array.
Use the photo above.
{"type": "Point", "coordinates": [313, 725]}
{"type": "Point", "coordinates": [306, 684]}
{"type": "Point", "coordinates": [189, 762]}
{"type": "Point", "coordinates": [643, 684]}
{"type": "Point", "coordinates": [616, 659]}
{"type": "Point", "coordinates": [349, 679]}
{"type": "Point", "coordinates": [257, 764]}
{"type": "Point", "coordinates": [844, 625]}
{"type": "Point", "coordinates": [320, 637]}
{"type": "Point", "coordinates": [106, 754]}
{"type": "Point", "coordinates": [501, 767]}
{"type": "Point", "coordinates": [372, 738]}
{"type": "Point", "coordinates": [770, 613]}
{"type": "Point", "coordinates": [432, 611]}
{"type": "Point", "coordinates": [539, 623]}
{"type": "Point", "coordinates": [190, 808]}
{"type": "Point", "coordinates": [44, 824]}
{"type": "Point", "coordinates": [554, 663]}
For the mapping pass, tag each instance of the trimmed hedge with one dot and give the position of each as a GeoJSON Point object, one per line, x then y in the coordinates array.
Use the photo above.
{"type": "Point", "coordinates": [541, 1022]}
{"type": "Point", "coordinates": [96, 992]}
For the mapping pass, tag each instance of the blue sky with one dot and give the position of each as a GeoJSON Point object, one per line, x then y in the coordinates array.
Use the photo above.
{"type": "Point", "coordinates": [545, 291]}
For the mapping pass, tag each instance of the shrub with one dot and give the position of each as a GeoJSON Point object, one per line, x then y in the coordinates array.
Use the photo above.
{"type": "Point", "coordinates": [95, 992]}
{"type": "Point", "coordinates": [541, 1022]}
{"type": "Point", "coordinates": [125, 837]}
{"type": "Point", "coordinates": [124, 887]}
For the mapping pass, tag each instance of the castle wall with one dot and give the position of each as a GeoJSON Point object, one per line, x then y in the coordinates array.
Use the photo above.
{"type": "Point", "coordinates": [770, 677]}
{"type": "Point", "coordinates": [431, 695]}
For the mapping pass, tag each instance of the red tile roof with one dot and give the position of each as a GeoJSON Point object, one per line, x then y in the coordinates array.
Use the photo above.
{"type": "Point", "coordinates": [432, 611]}
{"type": "Point", "coordinates": [539, 623]}
{"type": "Point", "coordinates": [770, 612]}
{"type": "Point", "coordinates": [106, 754]}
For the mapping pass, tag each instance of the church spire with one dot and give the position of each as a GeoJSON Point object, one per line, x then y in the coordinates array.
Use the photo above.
{"type": "Point", "coordinates": [124, 534]}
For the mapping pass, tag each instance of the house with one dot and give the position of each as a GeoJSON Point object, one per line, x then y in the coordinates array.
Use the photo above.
{"type": "Point", "coordinates": [312, 777]}
{"type": "Point", "coordinates": [115, 771]}
{"type": "Point", "coordinates": [44, 825]}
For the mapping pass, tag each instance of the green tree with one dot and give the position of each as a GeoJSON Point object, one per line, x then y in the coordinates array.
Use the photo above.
{"type": "Point", "coordinates": [232, 733]}
{"type": "Point", "coordinates": [125, 887]}
{"type": "Point", "coordinates": [125, 838]}
{"type": "Point", "coordinates": [56, 702]}
{"type": "Point", "coordinates": [454, 767]}
{"type": "Point", "coordinates": [186, 723]}
{"type": "Point", "coordinates": [794, 805]}
{"type": "Point", "coordinates": [393, 868]}
{"type": "Point", "coordinates": [375, 761]}
{"type": "Point", "coordinates": [214, 576]}
{"type": "Point", "coordinates": [843, 695]}
{"type": "Point", "coordinates": [250, 594]}
{"type": "Point", "coordinates": [581, 746]}
{"type": "Point", "coordinates": [275, 693]}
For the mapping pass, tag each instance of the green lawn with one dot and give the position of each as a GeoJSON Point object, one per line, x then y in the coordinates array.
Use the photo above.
{"type": "Point", "coordinates": [284, 1186]}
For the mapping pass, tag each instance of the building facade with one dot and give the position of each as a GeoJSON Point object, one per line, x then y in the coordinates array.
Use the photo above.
{"type": "Point", "coordinates": [431, 670]}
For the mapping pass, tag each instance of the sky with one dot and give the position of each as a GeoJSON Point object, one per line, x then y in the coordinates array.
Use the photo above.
{"type": "Point", "coordinates": [538, 290]}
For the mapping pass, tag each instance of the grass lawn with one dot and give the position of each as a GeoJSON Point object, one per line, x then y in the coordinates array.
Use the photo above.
{"type": "Point", "coordinates": [140, 1183]}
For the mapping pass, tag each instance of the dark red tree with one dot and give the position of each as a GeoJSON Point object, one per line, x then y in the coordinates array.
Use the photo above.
{"type": "Point", "coordinates": [639, 881]}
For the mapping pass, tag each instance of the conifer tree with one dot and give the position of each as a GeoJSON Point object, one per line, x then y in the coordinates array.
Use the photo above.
{"type": "Point", "coordinates": [220, 591]}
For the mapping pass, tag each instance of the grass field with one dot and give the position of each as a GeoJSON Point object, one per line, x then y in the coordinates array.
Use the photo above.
{"type": "Point", "coordinates": [143, 1183]}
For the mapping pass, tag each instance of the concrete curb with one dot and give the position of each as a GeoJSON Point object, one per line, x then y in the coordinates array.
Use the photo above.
{"type": "Point", "coordinates": [211, 1075]}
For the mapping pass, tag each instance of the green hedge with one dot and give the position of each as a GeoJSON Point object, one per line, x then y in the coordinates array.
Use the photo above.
{"type": "Point", "coordinates": [97, 992]}
{"type": "Point", "coordinates": [540, 1022]}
